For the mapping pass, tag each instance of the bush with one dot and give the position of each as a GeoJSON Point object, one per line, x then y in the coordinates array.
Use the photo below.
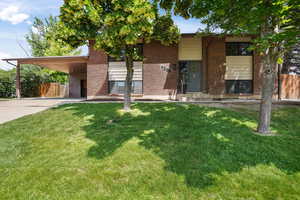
{"type": "Point", "coordinates": [7, 84]}
{"type": "Point", "coordinates": [7, 89]}
{"type": "Point", "coordinates": [31, 79]}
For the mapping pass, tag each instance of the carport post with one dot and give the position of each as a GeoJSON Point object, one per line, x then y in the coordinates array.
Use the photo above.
{"type": "Point", "coordinates": [18, 81]}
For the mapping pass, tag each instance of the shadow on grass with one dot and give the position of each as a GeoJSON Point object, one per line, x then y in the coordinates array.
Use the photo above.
{"type": "Point", "coordinates": [194, 141]}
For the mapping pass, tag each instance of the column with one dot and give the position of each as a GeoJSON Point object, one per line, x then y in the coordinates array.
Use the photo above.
{"type": "Point", "coordinates": [18, 82]}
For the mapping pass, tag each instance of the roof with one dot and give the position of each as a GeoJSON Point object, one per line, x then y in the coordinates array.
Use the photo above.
{"type": "Point", "coordinates": [66, 64]}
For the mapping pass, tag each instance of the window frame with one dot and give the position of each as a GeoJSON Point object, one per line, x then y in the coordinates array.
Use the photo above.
{"type": "Point", "coordinates": [238, 51]}
{"type": "Point", "coordinates": [122, 92]}
{"type": "Point", "coordinates": [237, 87]}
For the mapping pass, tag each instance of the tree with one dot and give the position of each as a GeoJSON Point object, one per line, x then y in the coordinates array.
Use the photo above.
{"type": "Point", "coordinates": [117, 26]}
{"type": "Point", "coordinates": [275, 22]}
{"type": "Point", "coordinates": [43, 43]}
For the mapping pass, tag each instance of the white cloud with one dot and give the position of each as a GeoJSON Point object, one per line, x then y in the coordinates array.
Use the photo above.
{"type": "Point", "coordinates": [13, 15]}
{"type": "Point", "coordinates": [29, 22]}
{"type": "Point", "coordinates": [4, 65]}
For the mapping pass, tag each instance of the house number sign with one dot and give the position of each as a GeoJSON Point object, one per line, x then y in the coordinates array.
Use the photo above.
{"type": "Point", "coordinates": [167, 68]}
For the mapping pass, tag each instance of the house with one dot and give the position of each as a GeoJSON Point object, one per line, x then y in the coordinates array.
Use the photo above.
{"type": "Point", "coordinates": [207, 67]}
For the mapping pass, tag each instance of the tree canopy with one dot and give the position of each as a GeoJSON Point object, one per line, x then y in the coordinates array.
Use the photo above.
{"type": "Point", "coordinates": [116, 26]}
{"type": "Point", "coordinates": [42, 42]}
{"type": "Point", "coordinates": [280, 17]}
{"type": "Point", "coordinates": [275, 24]}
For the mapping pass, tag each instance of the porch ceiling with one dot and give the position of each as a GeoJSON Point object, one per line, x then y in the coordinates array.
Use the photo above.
{"type": "Point", "coordinates": [67, 64]}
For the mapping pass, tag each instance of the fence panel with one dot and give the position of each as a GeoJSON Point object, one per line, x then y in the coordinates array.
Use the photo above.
{"type": "Point", "coordinates": [51, 90]}
{"type": "Point", "coordinates": [290, 86]}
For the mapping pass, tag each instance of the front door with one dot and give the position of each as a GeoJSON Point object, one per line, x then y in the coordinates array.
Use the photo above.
{"type": "Point", "coordinates": [190, 72]}
{"type": "Point", "coordinates": [83, 84]}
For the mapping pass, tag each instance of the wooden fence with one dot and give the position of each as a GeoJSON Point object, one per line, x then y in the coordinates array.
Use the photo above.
{"type": "Point", "coordinates": [53, 90]}
{"type": "Point", "coordinates": [290, 86]}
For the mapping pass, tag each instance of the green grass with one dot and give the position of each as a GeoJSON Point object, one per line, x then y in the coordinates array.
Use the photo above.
{"type": "Point", "coordinates": [5, 99]}
{"type": "Point", "coordinates": [158, 151]}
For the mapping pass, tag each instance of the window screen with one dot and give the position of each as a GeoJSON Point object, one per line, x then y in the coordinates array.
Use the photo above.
{"type": "Point", "coordinates": [239, 86]}
{"type": "Point", "coordinates": [118, 87]}
{"type": "Point", "coordinates": [238, 49]}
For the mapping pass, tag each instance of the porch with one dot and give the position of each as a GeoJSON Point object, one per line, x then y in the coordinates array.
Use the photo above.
{"type": "Point", "coordinates": [74, 66]}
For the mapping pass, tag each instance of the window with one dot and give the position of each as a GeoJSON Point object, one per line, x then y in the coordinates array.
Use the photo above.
{"type": "Point", "coordinates": [118, 87]}
{"type": "Point", "coordinates": [239, 87]}
{"type": "Point", "coordinates": [139, 51]}
{"type": "Point", "coordinates": [238, 49]}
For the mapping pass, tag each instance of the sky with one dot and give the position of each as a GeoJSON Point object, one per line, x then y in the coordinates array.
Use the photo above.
{"type": "Point", "coordinates": [16, 18]}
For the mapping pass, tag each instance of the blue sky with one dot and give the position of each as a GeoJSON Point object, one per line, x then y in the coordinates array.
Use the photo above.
{"type": "Point", "coordinates": [16, 17]}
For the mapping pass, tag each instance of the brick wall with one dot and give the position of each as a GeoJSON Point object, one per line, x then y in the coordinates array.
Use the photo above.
{"type": "Point", "coordinates": [97, 69]}
{"type": "Point", "coordinates": [156, 80]}
{"type": "Point", "coordinates": [160, 82]}
{"type": "Point", "coordinates": [215, 60]}
{"type": "Point", "coordinates": [257, 74]}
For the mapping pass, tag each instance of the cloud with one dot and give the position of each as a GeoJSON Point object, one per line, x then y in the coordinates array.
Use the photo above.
{"type": "Point", "coordinates": [4, 65]}
{"type": "Point", "coordinates": [29, 22]}
{"type": "Point", "coordinates": [13, 15]}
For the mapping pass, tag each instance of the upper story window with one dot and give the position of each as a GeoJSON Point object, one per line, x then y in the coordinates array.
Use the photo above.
{"type": "Point", "coordinates": [238, 49]}
{"type": "Point", "coordinates": [138, 48]}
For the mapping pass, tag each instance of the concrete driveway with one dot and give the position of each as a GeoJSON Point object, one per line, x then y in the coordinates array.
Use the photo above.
{"type": "Point", "coordinates": [14, 109]}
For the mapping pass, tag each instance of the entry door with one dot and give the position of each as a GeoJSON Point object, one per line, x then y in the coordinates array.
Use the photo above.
{"type": "Point", "coordinates": [83, 84]}
{"type": "Point", "coordinates": [191, 72]}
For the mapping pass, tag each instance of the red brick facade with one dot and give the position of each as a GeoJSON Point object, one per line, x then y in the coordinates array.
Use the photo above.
{"type": "Point", "coordinates": [214, 61]}
{"type": "Point", "coordinates": [97, 73]}
{"type": "Point", "coordinates": [257, 74]}
{"type": "Point", "coordinates": [160, 69]}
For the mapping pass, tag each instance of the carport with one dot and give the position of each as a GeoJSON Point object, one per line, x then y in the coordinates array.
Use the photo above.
{"type": "Point", "coordinates": [75, 66]}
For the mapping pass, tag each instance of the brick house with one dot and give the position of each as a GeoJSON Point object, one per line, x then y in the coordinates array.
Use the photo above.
{"type": "Point", "coordinates": [195, 68]}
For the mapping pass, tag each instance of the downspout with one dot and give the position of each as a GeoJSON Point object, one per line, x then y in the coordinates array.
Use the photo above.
{"type": "Point", "coordinates": [11, 63]}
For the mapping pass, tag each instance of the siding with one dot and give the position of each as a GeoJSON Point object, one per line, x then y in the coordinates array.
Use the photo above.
{"type": "Point", "coordinates": [190, 48]}
{"type": "Point", "coordinates": [239, 68]}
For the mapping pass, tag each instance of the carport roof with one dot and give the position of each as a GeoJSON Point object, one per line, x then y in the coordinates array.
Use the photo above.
{"type": "Point", "coordinates": [66, 64]}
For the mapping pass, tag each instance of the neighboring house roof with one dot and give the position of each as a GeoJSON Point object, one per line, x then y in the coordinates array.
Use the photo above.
{"type": "Point", "coordinates": [67, 64]}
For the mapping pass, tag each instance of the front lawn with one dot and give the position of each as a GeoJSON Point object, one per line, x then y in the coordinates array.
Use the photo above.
{"type": "Point", "coordinates": [159, 151]}
{"type": "Point", "coordinates": [5, 99]}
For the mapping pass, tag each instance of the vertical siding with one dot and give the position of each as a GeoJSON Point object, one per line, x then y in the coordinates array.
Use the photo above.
{"type": "Point", "coordinates": [290, 87]}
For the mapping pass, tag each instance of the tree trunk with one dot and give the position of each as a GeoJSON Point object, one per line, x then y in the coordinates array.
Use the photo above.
{"type": "Point", "coordinates": [269, 74]}
{"type": "Point", "coordinates": [129, 76]}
